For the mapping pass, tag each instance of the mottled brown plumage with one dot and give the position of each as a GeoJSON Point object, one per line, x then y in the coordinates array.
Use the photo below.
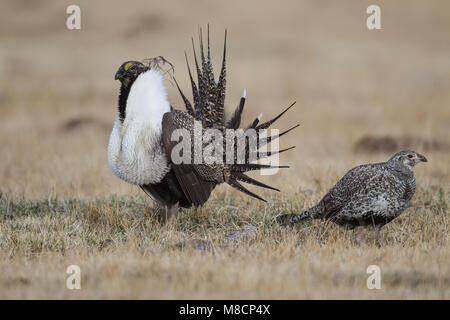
{"type": "Point", "coordinates": [368, 195]}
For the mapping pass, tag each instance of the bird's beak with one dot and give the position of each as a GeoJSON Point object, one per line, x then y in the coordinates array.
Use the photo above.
{"type": "Point", "coordinates": [118, 74]}
{"type": "Point", "coordinates": [422, 158]}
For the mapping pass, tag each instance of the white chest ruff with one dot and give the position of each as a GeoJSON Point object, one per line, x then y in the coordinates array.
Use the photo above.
{"type": "Point", "coordinates": [136, 155]}
{"type": "Point", "coordinates": [135, 151]}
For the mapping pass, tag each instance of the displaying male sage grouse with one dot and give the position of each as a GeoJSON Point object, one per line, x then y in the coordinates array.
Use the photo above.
{"type": "Point", "coordinates": [368, 195]}
{"type": "Point", "coordinates": [140, 145]}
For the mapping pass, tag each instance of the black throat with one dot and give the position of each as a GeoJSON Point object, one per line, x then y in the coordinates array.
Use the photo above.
{"type": "Point", "coordinates": [123, 97]}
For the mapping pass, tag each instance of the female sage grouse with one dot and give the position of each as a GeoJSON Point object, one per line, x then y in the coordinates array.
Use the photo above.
{"type": "Point", "coordinates": [368, 195]}
{"type": "Point", "coordinates": [140, 145]}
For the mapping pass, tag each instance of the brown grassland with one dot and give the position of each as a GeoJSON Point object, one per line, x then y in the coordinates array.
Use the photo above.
{"type": "Point", "coordinates": [60, 205]}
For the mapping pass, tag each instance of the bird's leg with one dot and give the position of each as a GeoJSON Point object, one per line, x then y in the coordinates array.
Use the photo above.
{"type": "Point", "coordinates": [174, 212]}
{"type": "Point", "coordinates": [379, 237]}
{"type": "Point", "coordinates": [360, 232]}
{"type": "Point", "coordinates": [200, 211]}
{"type": "Point", "coordinates": [359, 235]}
{"type": "Point", "coordinates": [374, 235]}
{"type": "Point", "coordinates": [171, 213]}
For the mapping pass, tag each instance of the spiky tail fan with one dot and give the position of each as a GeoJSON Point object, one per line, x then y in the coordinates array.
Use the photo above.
{"type": "Point", "coordinates": [209, 100]}
{"type": "Point", "coordinates": [252, 153]}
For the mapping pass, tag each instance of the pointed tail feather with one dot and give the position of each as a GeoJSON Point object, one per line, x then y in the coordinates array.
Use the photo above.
{"type": "Point", "coordinates": [267, 124]}
{"type": "Point", "coordinates": [262, 155]}
{"type": "Point", "coordinates": [221, 84]}
{"type": "Point", "coordinates": [195, 93]}
{"type": "Point", "coordinates": [267, 140]}
{"type": "Point", "coordinates": [201, 86]}
{"type": "Point", "coordinates": [262, 142]}
{"type": "Point", "coordinates": [204, 92]}
{"type": "Point", "coordinates": [237, 174]}
{"type": "Point", "coordinates": [202, 51]}
{"type": "Point", "coordinates": [235, 120]}
{"type": "Point", "coordinates": [264, 126]}
{"type": "Point", "coordinates": [237, 185]}
{"type": "Point", "coordinates": [244, 178]}
{"type": "Point", "coordinates": [255, 122]}
{"type": "Point", "coordinates": [185, 100]}
{"type": "Point", "coordinates": [210, 96]}
{"type": "Point", "coordinates": [253, 166]}
{"type": "Point", "coordinates": [209, 70]}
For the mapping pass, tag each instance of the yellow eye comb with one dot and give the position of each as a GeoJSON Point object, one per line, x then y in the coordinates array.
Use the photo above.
{"type": "Point", "coordinates": [127, 66]}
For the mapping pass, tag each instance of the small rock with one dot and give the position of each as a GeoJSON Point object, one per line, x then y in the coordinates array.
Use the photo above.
{"type": "Point", "coordinates": [197, 244]}
{"type": "Point", "coordinates": [105, 244]}
{"type": "Point", "coordinates": [246, 234]}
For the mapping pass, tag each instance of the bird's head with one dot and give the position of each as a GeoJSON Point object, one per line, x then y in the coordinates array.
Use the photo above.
{"type": "Point", "coordinates": [407, 158]}
{"type": "Point", "coordinates": [129, 71]}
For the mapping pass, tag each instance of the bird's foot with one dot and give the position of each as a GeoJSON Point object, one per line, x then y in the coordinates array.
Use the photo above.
{"type": "Point", "coordinates": [379, 238]}
{"type": "Point", "coordinates": [360, 236]}
{"type": "Point", "coordinates": [170, 215]}
{"type": "Point", "coordinates": [365, 236]}
{"type": "Point", "coordinates": [287, 219]}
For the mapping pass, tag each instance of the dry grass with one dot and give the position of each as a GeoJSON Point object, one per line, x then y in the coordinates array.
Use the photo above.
{"type": "Point", "coordinates": [60, 204]}
{"type": "Point", "coordinates": [124, 252]}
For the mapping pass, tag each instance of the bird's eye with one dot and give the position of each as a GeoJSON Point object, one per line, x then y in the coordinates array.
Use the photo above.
{"type": "Point", "coordinates": [410, 156]}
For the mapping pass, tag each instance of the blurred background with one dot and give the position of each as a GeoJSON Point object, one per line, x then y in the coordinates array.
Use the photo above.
{"type": "Point", "coordinates": [361, 94]}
